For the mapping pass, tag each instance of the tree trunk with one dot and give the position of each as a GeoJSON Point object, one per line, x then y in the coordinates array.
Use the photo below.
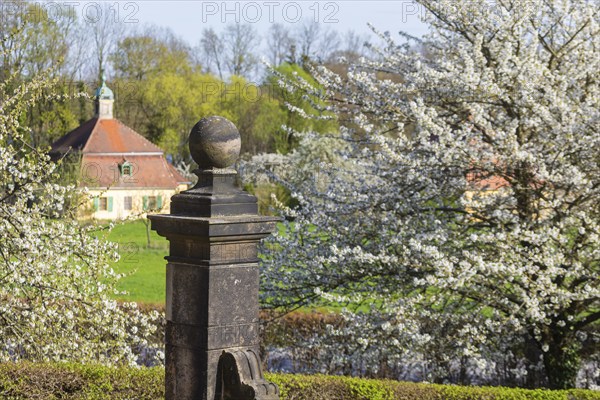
{"type": "Point", "coordinates": [147, 224]}
{"type": "Point", "coordinates": [562, 363]}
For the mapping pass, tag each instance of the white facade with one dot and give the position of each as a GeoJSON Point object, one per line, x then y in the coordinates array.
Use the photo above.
{"type": "Point", "coordinates": [122, 203]}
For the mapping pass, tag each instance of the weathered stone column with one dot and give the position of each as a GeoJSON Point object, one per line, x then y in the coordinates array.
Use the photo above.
{"type": "Point", "coordinates": [212, 306]}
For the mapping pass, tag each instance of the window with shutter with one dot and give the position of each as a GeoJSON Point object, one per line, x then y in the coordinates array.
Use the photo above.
{"type": "Point", "coordinates": [152, 203]}
{"type": "Point", "coordinates": [103, 204]}
{"type": "Point", "coordinates": [128, 203]}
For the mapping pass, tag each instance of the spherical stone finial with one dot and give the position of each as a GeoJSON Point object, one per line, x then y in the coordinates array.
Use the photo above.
{"type": "Point", "coordinates": [215, 143]}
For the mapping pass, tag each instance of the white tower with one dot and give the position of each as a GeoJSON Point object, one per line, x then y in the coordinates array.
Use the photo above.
{"type": "Point", "coordinates": [104, 101]}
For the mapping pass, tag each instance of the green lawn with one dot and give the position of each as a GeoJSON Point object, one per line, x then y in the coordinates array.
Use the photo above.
{"type": "Point", "coordinates": [145, 265]}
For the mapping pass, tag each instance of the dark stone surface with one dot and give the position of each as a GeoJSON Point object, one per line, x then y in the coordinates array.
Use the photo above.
{"type": "Point", "coordinates": [215, 194]}
{"type": "Point", "coordinates": [188, 374]}
{"type": "Point", "coordinates": [214, 228]}
{"type": "Point", "coordinates": [220, 295]}
{"type": "Point", "coordinates": [212, 281]}
{"type": "Point", "coordinates": [215, 143]}
{"type": "Point", "coordinates": [240, 377]}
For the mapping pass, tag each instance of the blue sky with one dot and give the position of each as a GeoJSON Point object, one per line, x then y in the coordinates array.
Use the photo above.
{"type": "Point", "coordinates": [188, 18]}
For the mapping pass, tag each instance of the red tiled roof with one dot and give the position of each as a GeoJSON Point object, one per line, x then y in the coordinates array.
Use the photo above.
{"type": "Point", "coordinates": [105, 145]}
{"type": "Point", "coordinates": [112, 136]}
{"type": "Point", "coordinates": [493, 183]}
{"type": "Point", "coordinates": [104, 136]}
{"type": "Point", "coordinates": [180, 178]}
{"type": "Point", "coordinates": [76, 139]}
{"type": "Point", "coordinates": [148, 171]}
{"type": "Point", "coordinates": [487, 183]}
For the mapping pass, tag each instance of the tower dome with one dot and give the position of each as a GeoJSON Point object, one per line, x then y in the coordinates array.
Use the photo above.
{"type": "Point", "coordinates": [104, 92]}
{"type": "Point", "coordinates": [104, 101]}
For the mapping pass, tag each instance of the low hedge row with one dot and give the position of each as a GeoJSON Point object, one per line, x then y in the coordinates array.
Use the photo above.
{"type": "Point", "coordinates": [74, 381]}
{"type": "Point", "coordinates": [327, 387]}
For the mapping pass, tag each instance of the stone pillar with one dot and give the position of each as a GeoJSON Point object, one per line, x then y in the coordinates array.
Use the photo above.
{"type": "Point", "coordinates": [212, 342]}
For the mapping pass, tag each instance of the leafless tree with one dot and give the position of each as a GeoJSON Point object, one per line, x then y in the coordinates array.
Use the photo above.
{"type": "Point", "coordinates": [308, 35]}
{"type": "Point", "coordinates": [352, 47]}
{"type": "Point", "coordinates": [241, 42]}
{"type": "Point", "coordinates": [317, 42]}
{"type": "Point", "coordinates": [211, 49]}
{"type": "Point", "coordinates": [105, 30]}
{"type": "Point", "coordinates": [279, 44]}
{"type": "Point", "coordinates": [329, 43]}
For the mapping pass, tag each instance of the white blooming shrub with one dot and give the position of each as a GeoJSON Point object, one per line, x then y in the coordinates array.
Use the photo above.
{"type": "Point", "coordinates": [55, 279]}
{"type": "Point", "coordinates": [460, 202]}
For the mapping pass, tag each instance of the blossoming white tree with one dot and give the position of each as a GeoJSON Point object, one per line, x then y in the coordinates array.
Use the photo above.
{"type": "Point", "coordinates": [55, 279]}
{"type": "Point", "coordinates": [464, 188]}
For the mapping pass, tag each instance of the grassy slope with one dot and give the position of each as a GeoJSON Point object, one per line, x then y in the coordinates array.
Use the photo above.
{"type": "Point", "coordinates": [145, 266]}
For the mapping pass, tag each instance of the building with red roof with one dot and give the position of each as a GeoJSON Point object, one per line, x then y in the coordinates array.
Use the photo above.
{"type": "Point", "coordinates": [126, 174]}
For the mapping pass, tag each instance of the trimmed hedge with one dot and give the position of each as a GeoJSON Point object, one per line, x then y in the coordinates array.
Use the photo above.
{"type": "Point", "coordinates": [327, 387]}
{"type": "Point", "coordinates": [75, 381]}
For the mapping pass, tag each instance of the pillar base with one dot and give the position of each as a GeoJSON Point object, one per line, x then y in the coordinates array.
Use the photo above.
{"type": "Point", "coordinates": [240, 376]}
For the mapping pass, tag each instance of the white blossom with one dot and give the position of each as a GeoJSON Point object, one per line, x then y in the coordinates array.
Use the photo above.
{"type": "Point", "coordinates": [54, 272]}
{"type": "Point", "coordinates": [462, 191]}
